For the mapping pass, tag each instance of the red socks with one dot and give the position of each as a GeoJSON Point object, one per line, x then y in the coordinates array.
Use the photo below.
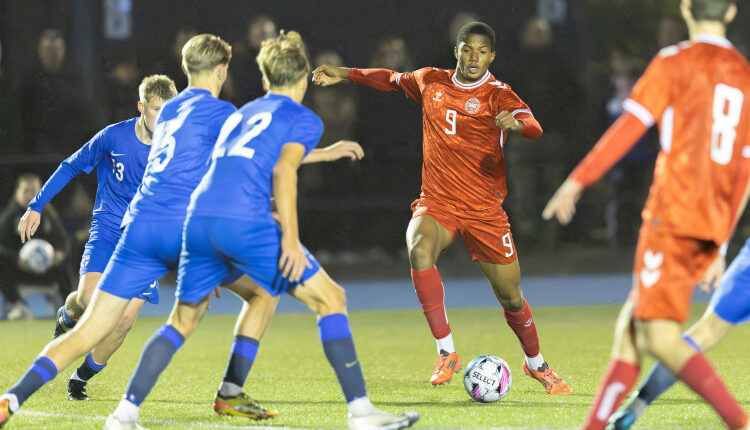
{"type": "Point", "coordinates": [702, 378]}
{"type": "Point", "coordinates": [616, 382]}
{"type": "Point", "coordinates": [429, 288]}
{"type": "Point", "coordinates": [523, 326]}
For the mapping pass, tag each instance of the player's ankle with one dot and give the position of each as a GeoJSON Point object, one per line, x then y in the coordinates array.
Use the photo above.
{"type": "Point", "coordinates": [360, 406]}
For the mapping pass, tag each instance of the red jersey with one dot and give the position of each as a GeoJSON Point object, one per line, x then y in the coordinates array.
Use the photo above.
{"type": "Point", "coordinates": [463, 163]}
{"type": "Point", "coordinates": [699, 94]}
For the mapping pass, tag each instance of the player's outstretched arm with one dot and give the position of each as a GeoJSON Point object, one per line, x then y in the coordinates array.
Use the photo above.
{"type": "Point", "coordinates": [562, 205]}
{"type": "Point", "coordinates": [330, 75]}
{"type": "Point", "coordinates": [525, 125]}
{"type": "Point", "coordinates": [293, 260]}
{"type": "Point", "coordinates": [341, 149]}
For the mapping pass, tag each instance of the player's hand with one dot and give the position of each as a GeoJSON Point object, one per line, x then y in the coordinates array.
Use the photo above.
{"type": "Point", "coordinates": [562, 205]}
{"type": "Point", "coordinates": [330, 75]}
{"type": "Point", "coordinates": [28, 224]}
{"type": "Point", "coordinates": [293, 261]}
{"type": "Point", "coordinates": [343, 149]}
{"type": "Point", "coordinates": [713, 275]}
{"type": "Point", "coordinates": [505, 121]}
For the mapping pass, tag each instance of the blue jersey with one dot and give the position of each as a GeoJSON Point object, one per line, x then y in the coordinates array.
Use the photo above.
{"type": "Point", "coordinates": [238, 183]}
{"type": "Point", "coordinates": [184, 135]}
{"type": "Point", "coordinates": [119, 158]}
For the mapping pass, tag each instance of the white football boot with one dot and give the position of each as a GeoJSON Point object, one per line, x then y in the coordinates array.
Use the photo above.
{"type": "Point", "coordinates": [114, 423]}
{"type": "Point", "coordinates": [379, 420]}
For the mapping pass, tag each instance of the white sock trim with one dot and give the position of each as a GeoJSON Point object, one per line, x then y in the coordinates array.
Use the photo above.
{"type": "Point", "coordinates": [76, 377]}
{"type": "Point", "coordinates": [12, 401]}
{"type": "Point", "coordinates": [360, 406]}
{"type": "Point", "coordinates": [446, 344]}
{"type": "Point", "coordinates": [127, 411]}
{"type": "Point", "coordinates": [229, 389]}
{"type": "Point", "coordinates": [536, 362]}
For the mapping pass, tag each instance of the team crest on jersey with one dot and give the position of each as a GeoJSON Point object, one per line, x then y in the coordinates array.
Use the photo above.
{"type": "Point", "coordinates": [472, 105]}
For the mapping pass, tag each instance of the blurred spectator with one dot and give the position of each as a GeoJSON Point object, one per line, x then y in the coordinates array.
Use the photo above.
{"type": "Point", "coordinates": [447, 57]}
{"type": "Point", "coordinates": [7, 124]}
{"type": "Point", "coordinates": [246, 78]}
{"type": "Point", "coordinates": [543, 80]}
{"type": "Point", "coordinates": [56, 114]}
{"type": "Point", "coordinates": [77, 221]}
{"type": "Point", "coordinates": [670, 31]}
{"type": "Point", "coordinates": [336, 105]}
{"type": "Point", "coordinates": [631, 176]}
{"type": "Point", "coordinates": [118, 88]}
{"type": "Point", "coordinates": [12, 271]}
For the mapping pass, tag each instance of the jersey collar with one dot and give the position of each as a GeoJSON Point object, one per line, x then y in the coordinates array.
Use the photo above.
{"type": "Point", "coordinates": [713, 40]}
{"type": "Point", "coordinates": [476, 84]}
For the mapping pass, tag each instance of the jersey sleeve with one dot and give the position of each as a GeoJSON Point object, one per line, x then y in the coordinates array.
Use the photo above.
{"type": "Point", "coordinates": [388, 80]}
{"type": "Point", "coordinates": [508, 100]}
{"type": "Point", "coordinates": [651, 94]}
{"type": "Point", "coordinates": [306, 130]}
{"type": "Point", "coordinates": [83, 160]}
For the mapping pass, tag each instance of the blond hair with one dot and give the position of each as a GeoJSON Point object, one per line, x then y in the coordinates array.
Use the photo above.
{"type": "Point", "coordinates": [282, 59]}
{"type": "Point", "coordinates": [204, 52]}
{"type": "Point", "coordinates": [156, 86]}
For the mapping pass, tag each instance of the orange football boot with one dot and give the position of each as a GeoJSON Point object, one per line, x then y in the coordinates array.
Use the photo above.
{"type": "Point", "coordinates": [4, 412]}
{"type": "Point", "coordinates": [445, 367]}
{"type": "Point", "coordinates": [549, 379]}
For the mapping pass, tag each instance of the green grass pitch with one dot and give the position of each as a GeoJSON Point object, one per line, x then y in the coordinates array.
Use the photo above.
{"type": "Point", "coordinates": [397, 353]}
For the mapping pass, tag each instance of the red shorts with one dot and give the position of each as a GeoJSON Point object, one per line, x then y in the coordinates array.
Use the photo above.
{"type": "Point", "coordinates": [667, 269]}
{"type": "Point", "coordinates": [487, 239]}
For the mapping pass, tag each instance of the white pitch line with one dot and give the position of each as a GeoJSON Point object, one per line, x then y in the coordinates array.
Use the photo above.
{"type": "Point", "coordinates": [192, 424]}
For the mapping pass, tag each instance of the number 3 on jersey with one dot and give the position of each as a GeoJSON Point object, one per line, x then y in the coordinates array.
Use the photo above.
{"type": "Point", "coordinates": [727, 111]}
{"type": "Point", "coordinates": [236, 147]}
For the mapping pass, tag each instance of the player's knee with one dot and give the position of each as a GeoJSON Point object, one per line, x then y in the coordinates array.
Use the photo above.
{"type": "Point", "coordinates": [421, 255]}
{"type": "Point", "coordinates": [333, 302]}
{"type": "Point", "coordinates": [126, 323]}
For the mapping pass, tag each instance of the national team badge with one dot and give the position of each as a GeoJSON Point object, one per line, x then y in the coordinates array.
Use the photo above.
{"type": "Point", "coordinates": [472, 105]}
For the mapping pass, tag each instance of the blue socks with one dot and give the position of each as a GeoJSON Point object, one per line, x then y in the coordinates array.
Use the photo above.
{"type": "Point", "coordinates": [660, 379]}
{"type": "Point", "coordinates": [339, 349]}
{"type": "Point", "coordinates": [241, 358]}
{"type": "Point", "coordinates": [155, 357]}
{"type": "Point", "coordinates": [41, 371]}
{"type": "Point", "coordinates": [88, 369]}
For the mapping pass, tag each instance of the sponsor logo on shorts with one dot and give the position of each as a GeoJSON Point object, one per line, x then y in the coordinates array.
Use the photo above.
{"type": "Point", "coordinates": [650, 273]}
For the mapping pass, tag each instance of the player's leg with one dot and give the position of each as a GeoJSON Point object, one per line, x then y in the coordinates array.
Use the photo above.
{"type": "Point", "coordinates": [257, 311]}
{"type": "Point", "coordinates": [96, 360]}
{"type": "Point", "coordinates": [621, 373]}
{"type": "Point", "coordinates": [76, 303]}
{"type": "Point", "coordinates": [661, 339]}
{"type": "Point", "coordinates": [426, 237]}
{"type": "Point", "coordinates": [506, 284]}
{"type": "Point", "coordinates": [99, 319]}
{"type": "Point", "coordinates": [155, 357]}
{"type": "Point", "coordinates": [328, 300]}
{"type": "Point", "coordinates": [702, 336]}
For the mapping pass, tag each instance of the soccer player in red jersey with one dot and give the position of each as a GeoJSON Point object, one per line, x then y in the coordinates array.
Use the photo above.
{"type": "Point", "coordinates": [699, 93]}
{"type": "Point", "coordinates": [467, 116]}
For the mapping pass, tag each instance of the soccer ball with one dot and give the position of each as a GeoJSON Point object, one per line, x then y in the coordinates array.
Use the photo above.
{"type": "Point", "coordinates": [487, 378]}
{"type": "Point", "coordinates": [38, 255]}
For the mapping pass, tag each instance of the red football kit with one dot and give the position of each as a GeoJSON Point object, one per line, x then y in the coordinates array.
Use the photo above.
{"type": "Point", "coordinates": [463, 172]}
{"type": "Point", "coordinates": [699, 94]}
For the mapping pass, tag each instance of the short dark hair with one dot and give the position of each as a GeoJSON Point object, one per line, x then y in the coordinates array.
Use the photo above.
{"type": "Point", "coordinates": [27, 177]}
{"type": "Point", "coordinates": [476, 28]}
{"type": "Point", "coordinates": [710, 10]}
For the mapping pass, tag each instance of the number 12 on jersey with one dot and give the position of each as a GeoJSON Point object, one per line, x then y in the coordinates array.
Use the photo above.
{"type": "Point", "coordinates": [236, 147]}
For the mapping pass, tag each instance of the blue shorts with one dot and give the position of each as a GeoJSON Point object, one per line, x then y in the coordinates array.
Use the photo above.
{"type": "Point", "coordinates": [218, 250]}
{"type": "Point", "coordinates": [731, 301]}
{"type": "Point", "coordinates": [147, 251]}
{"type": "Point", "coordinates": [96, 255]}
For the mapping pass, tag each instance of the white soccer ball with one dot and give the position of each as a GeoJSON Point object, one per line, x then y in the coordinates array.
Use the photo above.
{"type": "Point", "coordinates": [38, 255]}
{"type": "Point", "coordinates": [487, 378]}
